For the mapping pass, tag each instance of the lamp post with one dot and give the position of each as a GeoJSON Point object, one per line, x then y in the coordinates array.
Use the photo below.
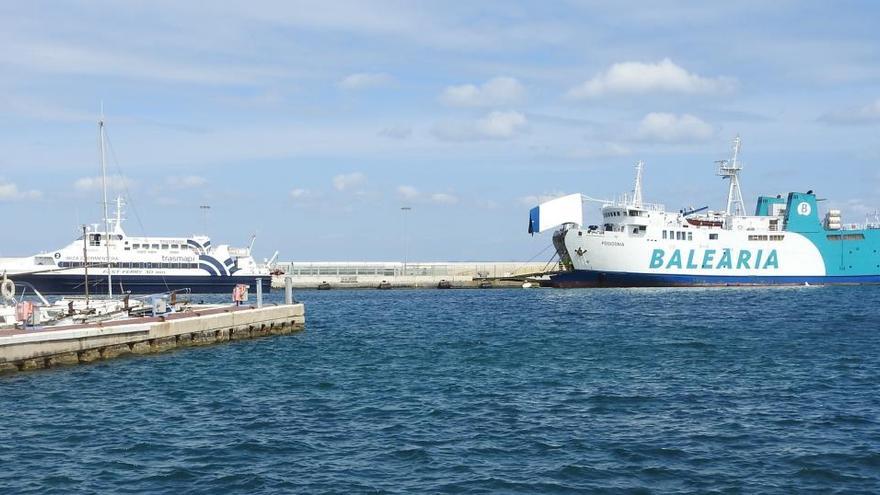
{"type": "Point", "coordinates": [205, 209]}
{"type": "Point", "coordinates": [405, 210]}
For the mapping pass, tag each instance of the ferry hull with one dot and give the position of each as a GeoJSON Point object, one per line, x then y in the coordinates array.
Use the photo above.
{"type": "Point", "coordinates": [55, 284]}
{"type": "Point", "coordinates": [590, 278]}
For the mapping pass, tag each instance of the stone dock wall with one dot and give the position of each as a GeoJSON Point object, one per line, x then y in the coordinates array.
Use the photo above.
{"type": "Point", "coordinates": [29, 349]}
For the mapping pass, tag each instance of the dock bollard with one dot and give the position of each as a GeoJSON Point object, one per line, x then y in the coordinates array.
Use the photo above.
{"type": "Point", "coordinates": [288, 290]}
{"type": "Point", "coordinates": [259, 293]}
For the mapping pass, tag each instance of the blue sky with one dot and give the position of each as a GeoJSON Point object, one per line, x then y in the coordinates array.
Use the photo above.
{"type": "Point", "coordinates": [312, 123]}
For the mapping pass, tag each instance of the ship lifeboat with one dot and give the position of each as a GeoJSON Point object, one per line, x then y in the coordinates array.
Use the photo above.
{"type": "Point", "coordinates": [703, 222]}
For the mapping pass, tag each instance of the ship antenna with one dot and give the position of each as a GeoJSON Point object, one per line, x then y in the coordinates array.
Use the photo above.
{"type": "Point", "coordinates": [730, 169]}
{"type": "Point", "coordinates": [637, 189]}
{"type": "Point", "coordinates": [104, 189]}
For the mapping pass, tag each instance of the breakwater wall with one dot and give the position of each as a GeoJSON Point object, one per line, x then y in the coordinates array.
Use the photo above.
{"type": "Point", "coordinates": [29, 348]}
{"type": "Point", "coordinates": [369, 275]}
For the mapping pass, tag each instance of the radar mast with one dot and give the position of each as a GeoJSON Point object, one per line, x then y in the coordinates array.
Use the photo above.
{"type": "Point", "coordinates": [637, 188]}
{"type": "Point", "coordinates": [730, 169]}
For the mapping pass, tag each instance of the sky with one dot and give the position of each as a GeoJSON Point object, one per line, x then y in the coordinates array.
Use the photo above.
{"type": "Point", "coordinates": [310, 124]}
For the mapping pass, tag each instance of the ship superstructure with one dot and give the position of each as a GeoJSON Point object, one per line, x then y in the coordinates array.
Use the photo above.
{"type": "Point", "coordinates": [638, 244]}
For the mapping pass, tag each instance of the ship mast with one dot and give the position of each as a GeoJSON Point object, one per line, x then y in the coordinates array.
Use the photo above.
{"type": "Point", "coordinates": [106, 214]}
{"type": "Point", "coordinates": [730, 169]}
{"type": "Point", "coordinates": [637, 189]}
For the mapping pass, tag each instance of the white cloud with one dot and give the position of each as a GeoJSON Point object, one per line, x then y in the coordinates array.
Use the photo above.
{"type": "Point", "coordinates": [536, 199]}
{"type": "Point", "coordinates": [867, 114]}
{"type": "Point", "coordinates": [495, 125]}
{"type": "Point", "coordinates": [302, 195]}
{"type": "Point", "coordinates": [639, 78]}
{"type": "Point", "coordinates": [186, 182]}
{"type": "Point", "coordinates": [494, 92]}
{"type": "Point", "coordinates": [114, 183]}
{"type": "Point", "coordinates": [444, 199]}
{"type": "Point", "coordinates": [9, 192]}
{"type": "Point", "coordinates": [669, 127]}
{"type": "Point", "coordinates": [395, 132]}
{"type": "Point", "coordinates": [407, 192]}
{"type": "Point", "coordinates": [347, 181]}
{"type": "Point", "coordinates": [502, 125]}
{"type": "Point", "coordinates": [366, 80]}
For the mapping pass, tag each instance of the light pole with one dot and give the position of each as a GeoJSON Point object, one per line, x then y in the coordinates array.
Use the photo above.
{"type": "Point", "coordinates": [405, 209]}
{"type": "Point", "coordinates": [205, 209]}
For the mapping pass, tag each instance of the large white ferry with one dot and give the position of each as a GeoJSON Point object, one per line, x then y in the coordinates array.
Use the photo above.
{"type": "Point", "coordinates": [639, 244]}
{"type": "Point", "coordinates": [106, 260]}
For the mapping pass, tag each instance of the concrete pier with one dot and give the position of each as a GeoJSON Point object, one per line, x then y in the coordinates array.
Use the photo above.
{"type": "Point", "coordinates": [29, 349]}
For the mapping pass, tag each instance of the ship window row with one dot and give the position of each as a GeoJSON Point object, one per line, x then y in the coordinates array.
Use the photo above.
{"type": "Point", "coordinates": [677, 235]}
{"type": "Point", "coordinates": [764, 237]}
{"type": "Point", "coordinates": [95, 239]}
{"type": "Point", "coordinates": [846, 237]}
{"type": "Point", "coordinates": [80, 264]}
{"type": "Point", "coordinates": [157, 246]}
{"type": "Point", "coordinates": [632, 213]}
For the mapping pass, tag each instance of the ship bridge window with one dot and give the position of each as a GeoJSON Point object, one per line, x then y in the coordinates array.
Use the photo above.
{"type": "Point", "coordinates": [95, 240]}
{"type": "Point", "coordinates": [713, 237]}
{"type": "Point", "coordinates": [164, 246]}
{"type": "Point", "coordinates": [174, 246]}
{"type": "Point", "coordinates": [155, 246]}
{"type": "Point", "coordinates": [136, 246]}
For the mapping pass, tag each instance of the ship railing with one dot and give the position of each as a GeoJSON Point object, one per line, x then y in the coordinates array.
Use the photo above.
{"type": "Point", "coordinates": [626, 201]}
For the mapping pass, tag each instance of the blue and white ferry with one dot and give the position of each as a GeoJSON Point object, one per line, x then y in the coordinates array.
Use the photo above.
{"type": "Point", "coordinates": [638, 244]}
{"type": "Point", "coordinates": [106, 260]}
{"type": "Point", "coordinates": [111, 261]}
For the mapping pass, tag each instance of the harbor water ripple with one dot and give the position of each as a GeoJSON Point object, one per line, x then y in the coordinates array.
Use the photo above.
{"type": "Point", "coordinates": [478, 391]}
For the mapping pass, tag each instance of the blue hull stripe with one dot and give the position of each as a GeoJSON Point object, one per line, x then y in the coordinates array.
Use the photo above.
{"type": "Point", "coordinates": [221, 270]}
{"type": "Point", "coordinates": [589, 278]}
{"type": "Point", "coordinates": [56, 284]}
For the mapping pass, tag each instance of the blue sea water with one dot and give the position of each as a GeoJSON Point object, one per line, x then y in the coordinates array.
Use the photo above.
{"type": "Point", "coordinates": [479, 391]}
